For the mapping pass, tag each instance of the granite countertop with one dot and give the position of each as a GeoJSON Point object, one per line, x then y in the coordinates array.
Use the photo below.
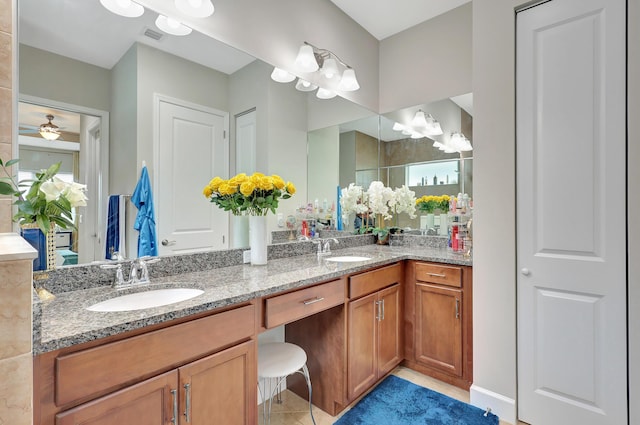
{"type": "Point", "coordinates": [64, 321]}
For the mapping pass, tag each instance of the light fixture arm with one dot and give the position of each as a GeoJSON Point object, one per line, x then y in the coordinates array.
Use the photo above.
{"type": "Point", "coordinates": [322, 54]}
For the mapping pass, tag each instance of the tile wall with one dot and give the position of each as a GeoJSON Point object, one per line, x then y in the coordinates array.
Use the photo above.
{"type": "Point", "coordinates": [16, 364]}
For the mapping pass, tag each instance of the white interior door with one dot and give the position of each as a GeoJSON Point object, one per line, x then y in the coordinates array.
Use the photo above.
{"type": "Point", "coordinates": [192, 148]}
{"type": "Point", "coordinates": [246, 135]}
{"type": "Point", "coordinates": [571, 213]}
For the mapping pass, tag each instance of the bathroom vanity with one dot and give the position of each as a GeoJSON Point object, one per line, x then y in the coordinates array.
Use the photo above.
{"type": "Point", "coordinates": [196, 359]}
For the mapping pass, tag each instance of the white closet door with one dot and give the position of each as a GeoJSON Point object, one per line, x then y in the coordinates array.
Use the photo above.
{"type": "Point", "coordinates": [192, 149]}
{"type": "Point", "coordinates": [571, 213]}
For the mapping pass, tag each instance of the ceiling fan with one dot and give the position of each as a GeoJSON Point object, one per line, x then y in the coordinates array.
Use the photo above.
{"type": "Point", "coordinates": [48, 130]}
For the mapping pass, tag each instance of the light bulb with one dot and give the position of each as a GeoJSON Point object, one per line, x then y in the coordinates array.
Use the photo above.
{"type": "Point", "coordinates": [195, 8]}
{"type": "Point", "coordinates": [126, 8]}
{"type": "Point", "coordinates": [282, 76]}
{"type": "Point", "coordinates": [325, 94]}
{"type": "Point", "coordinates": [304, 85]}
{"type": "Point", "coordinates": [172, 26]}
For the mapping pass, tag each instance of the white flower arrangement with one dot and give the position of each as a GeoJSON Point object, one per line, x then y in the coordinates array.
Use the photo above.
{"type": "Point", "coordinates": [378, 200]}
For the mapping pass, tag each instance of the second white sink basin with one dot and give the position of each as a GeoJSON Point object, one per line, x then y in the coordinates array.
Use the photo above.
{"type": "Point", "coordinates": [147, 299]}
{"type": "Point", "coordinates": [348, 259]}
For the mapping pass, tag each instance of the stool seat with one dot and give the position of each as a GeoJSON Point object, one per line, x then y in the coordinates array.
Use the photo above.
{"type": "Point", "coordinates": [276, 361]}
{"type": "Point", "coordinates": [280, 359]}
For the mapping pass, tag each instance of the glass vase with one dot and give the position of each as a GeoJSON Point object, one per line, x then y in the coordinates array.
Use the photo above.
{"type": "Point", "coordinates": [258, 239]}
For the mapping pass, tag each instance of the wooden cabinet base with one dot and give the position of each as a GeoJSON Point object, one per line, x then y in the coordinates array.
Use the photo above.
{"type": "Point", "coordinates": [463, 383]}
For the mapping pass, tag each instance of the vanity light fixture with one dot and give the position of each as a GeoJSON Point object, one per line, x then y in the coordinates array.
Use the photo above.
{"type": "Point", "coordinates": [49, 130]}
{"type": "Point", "coordinates": [456, 143]}
{"type": "Point", "coordinates": [304, 85]}
{"type": "Point", "coordinates": [323, 93]}
{"type": "Point", "coordinates": [433, 126]}
{"type": "Point", "coordinates": [419, 119]}
{"type": "Point", "coordinates": [195, 8]}
{"type": "Point", "coordinates": [126, 8]}
{"type": "Point", "coordinates": [171, 26]}
{"type": "Point", "coordinates": [327, 64]}
{"type": "Point", "coordinates": [430, 125]}
{"type": "Point", "coordinates": [282, 76]}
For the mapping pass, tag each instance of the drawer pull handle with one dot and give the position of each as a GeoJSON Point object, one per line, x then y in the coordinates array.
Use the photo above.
{"type": "Point", "coordinates": [457, 308]}
{"type": "Point", "coordinates": [313, 300]}
{"type": "Point", "coordinates": [187, 408]}
{"type": "Point", "coordinates": [174, 394]}
{"type": "Point", "coordinates": [437, 274]}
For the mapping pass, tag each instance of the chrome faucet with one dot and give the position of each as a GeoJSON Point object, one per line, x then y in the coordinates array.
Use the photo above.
{"type": "Point", "coordinates": [324, 247]}
{"type": "Point", "coordinates": [138, 273]}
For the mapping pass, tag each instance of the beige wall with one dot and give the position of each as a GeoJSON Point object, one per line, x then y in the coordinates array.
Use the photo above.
{"type": "Point", "coordinates": [428, 62]}
{"type": "Point", "coordinates": [51, 76]}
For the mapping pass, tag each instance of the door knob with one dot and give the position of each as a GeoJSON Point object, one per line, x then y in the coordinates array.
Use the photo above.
{"type": "Point", "coordinates": [166, 242]}
{"type": "Point", "coordinates": [525, 271]}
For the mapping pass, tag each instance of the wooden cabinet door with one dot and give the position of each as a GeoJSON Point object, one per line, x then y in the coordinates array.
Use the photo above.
{"type": "Point", "coordinates": [148, 403]}
{"type": "Point", "coordinates": [389, 329]}
{"type": "Point", "coordinates": [439, 328]}
{"type": "Point", "coordinates": [362, 349]}
{"type": "Point", "coordinates": [220, 388]}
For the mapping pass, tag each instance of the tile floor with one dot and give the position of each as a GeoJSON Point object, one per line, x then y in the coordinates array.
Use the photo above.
{"type": "Point", "coordinates": [295, 410]}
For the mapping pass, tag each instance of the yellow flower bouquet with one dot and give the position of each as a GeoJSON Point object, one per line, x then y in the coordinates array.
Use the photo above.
{"type": "Point", "coordinates": [256, 194]}
{"type": "Point", "coordinates": [430, 203]}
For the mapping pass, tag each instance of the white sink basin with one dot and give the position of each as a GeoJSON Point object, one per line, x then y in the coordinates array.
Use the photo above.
{"type": "Point", "coordinates": [147, 299]}
{"type": "Point", "coordinates": [348, 259]}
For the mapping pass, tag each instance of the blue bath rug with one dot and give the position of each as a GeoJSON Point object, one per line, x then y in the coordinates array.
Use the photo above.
{"type": "Point", "coordinates": [399, 402]}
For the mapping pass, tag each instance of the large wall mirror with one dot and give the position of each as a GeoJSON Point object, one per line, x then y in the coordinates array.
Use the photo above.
{"type": "Point", "coordinates": [377, 148]}
{"type": "Point", "coordinates": [81, 71]}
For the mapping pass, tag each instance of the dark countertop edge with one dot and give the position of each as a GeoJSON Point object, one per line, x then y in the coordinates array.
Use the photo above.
{"type": "Point", "coordinates": [40, 347]}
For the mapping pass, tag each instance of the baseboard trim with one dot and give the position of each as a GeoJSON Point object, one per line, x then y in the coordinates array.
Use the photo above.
{"type": "Point", "coordinates": [500, 405]}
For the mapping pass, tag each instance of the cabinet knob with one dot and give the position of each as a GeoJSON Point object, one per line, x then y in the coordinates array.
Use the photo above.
{"type": "Point", "coordinates": [525, 271]}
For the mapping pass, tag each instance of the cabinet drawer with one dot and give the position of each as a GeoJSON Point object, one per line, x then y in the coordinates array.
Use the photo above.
{"type": "Point", "coordinates": [438, 273]}
{"type": "Point", "coordinates": [95, 371]}
{"type": "Point", "coordinates": [302, 303]}
{"type": "Point", "coordinates": [369, 282]}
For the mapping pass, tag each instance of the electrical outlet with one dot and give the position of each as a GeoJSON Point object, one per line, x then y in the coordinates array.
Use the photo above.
{"type": "Point", "coordinates": [246, 256]}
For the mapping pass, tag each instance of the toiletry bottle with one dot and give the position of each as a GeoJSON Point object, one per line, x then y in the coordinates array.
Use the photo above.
{"type": "Point", "coordinates": [435, 180]}
{"type": "Point", "coordinates": [454, 238]}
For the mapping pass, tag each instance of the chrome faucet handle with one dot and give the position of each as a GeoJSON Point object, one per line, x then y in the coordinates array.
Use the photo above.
{"type": "Point", "coordinates": [133, 271]}
{"type": "Point", "coordinates": [327, 245]}
{"type": "Point", "coordinates": [141, 264]}
{"type": "Point", "coordinates": [119, 280]}
{"type": "Point", "coordinates": [303, 238]}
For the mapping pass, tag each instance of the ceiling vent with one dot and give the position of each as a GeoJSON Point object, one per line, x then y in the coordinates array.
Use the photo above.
{"type": "Point", "coordinates": [148, 32]}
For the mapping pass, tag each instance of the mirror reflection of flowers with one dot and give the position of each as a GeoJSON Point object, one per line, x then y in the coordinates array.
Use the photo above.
{"type": "Point", "coordinates": [430, 203]}
{"type": "Point", "coordinates": [256, 194]}
{"type": "Point", "coordinates": [46, 200]}
{"type": "Point", "coordinates": [380, 201]}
